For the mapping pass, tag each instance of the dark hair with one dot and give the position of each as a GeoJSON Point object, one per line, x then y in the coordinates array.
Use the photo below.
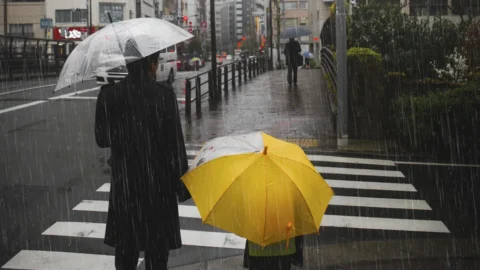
{"type": "Point", "coordinates": [143, 64]}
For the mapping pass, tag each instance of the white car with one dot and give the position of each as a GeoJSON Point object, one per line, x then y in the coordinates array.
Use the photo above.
{"type": "Point", "coordinates": [167, 69]}
{"type": "Point", "coordinates": [229, 58]}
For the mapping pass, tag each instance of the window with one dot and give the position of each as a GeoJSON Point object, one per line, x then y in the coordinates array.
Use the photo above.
{"type": "Point", "coordinates": [70, 15]}
{"type": "Point", "coordinates": [116, 11]}
{"type": "Point", "coordinates": [290, 5]}
{"type": "Point", "coordinates": [171, 48]}
{"type": "Point", "coordinates": [23, 30]}
{"type": "Point", "coordinates": [303, 5]}
{"type": "Point", "coordinates": [290, 22]}
{"type": "Point", "coordinates": [303, 21]}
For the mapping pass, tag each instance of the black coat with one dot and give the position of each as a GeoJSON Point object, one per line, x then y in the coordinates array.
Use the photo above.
{"type": "Point", "coordinates": [291, 51]}
{"type": "Point", "coordinates": [139, 120]}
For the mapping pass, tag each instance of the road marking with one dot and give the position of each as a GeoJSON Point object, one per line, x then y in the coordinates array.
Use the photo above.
{"type": "Point", "coordinates": [357, 222]}
{"type": "Point", "coordinates": [339, 184]}
{"type": "Point", "coordinates": [26, 89]}
{"type": "Point", "coordinates": [80, 97]}
{"type": "Point", "coordinates": [22, 106]}
{"type": "Point", "coordinates": [189, 237]}
{"type": "Point", "coordinates": [92, 205]}
{"type": "Point", "coordinates": [370, 185]}
{"type": "Point", "coordinates": [363, 172]}
{"type": "Point", "coordinates": [102, 206]}
{"type": "Point", "coordinates": [53, 260]}
{"type": "Point", "coordinates": [438, 164]}
{"type": "Point", "coordinates": [336, 159]}
{"type": "Point", "coordinates": [380, 203]}
{"type": "Point", "coordinates": [104, 188]}
{"type": "Point", "coordinates": [97, 230]}
{"type": "Point", "coordinates": [366, 161]}
{"type": "Point", "coordinates": [75, 93]}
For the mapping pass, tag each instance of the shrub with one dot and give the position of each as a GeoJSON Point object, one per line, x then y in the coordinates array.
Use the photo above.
{"type": "Point", "coordinates": [406, 43]}
{"type": "Point", "coordinates": [440, 120]}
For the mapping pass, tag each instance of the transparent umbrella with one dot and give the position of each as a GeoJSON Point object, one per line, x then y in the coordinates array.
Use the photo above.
{"type": "Point", "coordinates": [105, 49]}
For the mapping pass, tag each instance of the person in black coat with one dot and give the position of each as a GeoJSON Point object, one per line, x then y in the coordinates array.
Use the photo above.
{"type": "Point", "coordinates": [291, 51]}
{"type": "Point", "coordinates": [138, 120]}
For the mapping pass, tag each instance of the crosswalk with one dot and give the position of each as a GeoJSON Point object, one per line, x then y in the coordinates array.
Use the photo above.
{"type": "Point", "coordinates": [359, 183]}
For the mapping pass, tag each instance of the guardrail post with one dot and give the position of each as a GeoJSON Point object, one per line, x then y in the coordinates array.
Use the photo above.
{"type": "Point", "coordinates": [239, 66]}
{"type": "Point", "coordinates": [211, 93]}
{"type": "Point", "coordinates": [250, 69]}
{"type": "Point", "coordinates": [245, 70]}
{"type": "Point", "coordinates": [233, 74]}
{"type": "Point", "coordinates": [198, 93]}
{"type": "Point", "coordinates": [188, 96]}
{"type": "Point", "coordinates": [219, 83]}
{"type": "Point", "coordinates": [257, 64]}
{"type": "Point", "coordinates": [225, 74]}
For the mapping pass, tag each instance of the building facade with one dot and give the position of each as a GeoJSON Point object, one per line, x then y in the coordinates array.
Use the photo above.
{"type": "Point", "coordinates": [23, 18]}
{"type": "Point", "coordinates": [290, 13]}
{"type": "Point", "coordinates": [228, 30]}
{"type": "Point", "coordinates": [74, 19]}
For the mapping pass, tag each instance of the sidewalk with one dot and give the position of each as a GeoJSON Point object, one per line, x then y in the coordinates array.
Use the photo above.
{"type": "Point", "coordinates": [300, 114]}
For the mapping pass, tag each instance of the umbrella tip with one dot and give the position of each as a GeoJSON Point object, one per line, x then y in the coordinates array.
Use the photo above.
{"type": "Point", "coordinates": [265, 150]}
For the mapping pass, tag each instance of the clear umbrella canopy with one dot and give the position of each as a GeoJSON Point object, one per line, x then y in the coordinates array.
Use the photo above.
{"type": "Point", "coordinates": [106, 49]}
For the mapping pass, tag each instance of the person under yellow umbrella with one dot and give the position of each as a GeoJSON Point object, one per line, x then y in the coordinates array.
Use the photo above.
{"type": "Point", "coordinates": [258, 187]}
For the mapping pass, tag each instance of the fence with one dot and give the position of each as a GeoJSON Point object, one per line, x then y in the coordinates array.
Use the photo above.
{"type": "Point", "coordinates": [23, 57]}
{"type": "Point", "coordinates": [227, 74]}
{"type": "Point", "coordinates": [329, 66]}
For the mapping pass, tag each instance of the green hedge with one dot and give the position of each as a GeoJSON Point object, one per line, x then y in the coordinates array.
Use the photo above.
{"type": "Point", "coordinates": [441, 121]}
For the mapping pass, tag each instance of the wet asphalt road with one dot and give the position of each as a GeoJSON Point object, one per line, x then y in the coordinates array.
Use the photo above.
{"type": "Point", "coordinates": [50, 165]}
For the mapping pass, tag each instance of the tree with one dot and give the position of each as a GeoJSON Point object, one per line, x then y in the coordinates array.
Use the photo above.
{"type": "Point", "coordinates": [278, 19]}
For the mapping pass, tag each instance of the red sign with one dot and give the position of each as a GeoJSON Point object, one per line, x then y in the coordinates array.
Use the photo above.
{"type": "Point", "coordinates": [71, 33]}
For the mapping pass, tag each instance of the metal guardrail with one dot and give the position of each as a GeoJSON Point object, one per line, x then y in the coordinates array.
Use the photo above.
{"type": "Point", "coordinates": [23, 57]}
{"type": "Point", "coordinates": [328, 65]}
{"type": "Point", "coordinates": [246, 68]}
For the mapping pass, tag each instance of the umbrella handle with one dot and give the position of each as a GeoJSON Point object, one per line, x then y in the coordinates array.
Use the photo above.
{"type": "Point", "coordinates": [289, 230]}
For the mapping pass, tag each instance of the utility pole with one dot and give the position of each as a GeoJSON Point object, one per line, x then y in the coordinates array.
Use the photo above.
{"type": "Point", "coordinates": [5, 19]}
{"type": "Point", "coordinates": [89, 10]}
{"type": "Point", "coordinates": [342, 93]}
{"type": "Point", "coordinates": [213, 45]}
{"type": "Point", "coordinates": [270, 38]}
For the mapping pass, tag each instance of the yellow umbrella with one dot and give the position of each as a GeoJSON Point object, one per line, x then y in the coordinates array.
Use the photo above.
{"type": "Point", "coordinates": [258, 187]}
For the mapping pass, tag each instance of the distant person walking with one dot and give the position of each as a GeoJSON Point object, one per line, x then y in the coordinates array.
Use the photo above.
{"type": "Point", "coordinates": [138, 120]}
{"type": "Point", "coordinates": [292, 51]}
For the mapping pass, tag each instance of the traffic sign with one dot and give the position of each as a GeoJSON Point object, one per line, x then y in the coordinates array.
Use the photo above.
{"type": "Point", "coordinates": [46, 23]}
{"type": "Point", "coordinates": [204, 24]}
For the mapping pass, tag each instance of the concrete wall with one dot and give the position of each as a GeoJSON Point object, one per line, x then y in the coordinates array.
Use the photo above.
{"type": "Point", "coordinates": [24, 13]}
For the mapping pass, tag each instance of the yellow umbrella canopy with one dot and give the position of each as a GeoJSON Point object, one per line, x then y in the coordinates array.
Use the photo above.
{"type": "Point", "coordinates": [258, 187]}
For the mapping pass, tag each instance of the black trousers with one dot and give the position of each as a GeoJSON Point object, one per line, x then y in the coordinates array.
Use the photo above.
{"type": "Point", "coordinates": [156, 256]}
{"type": "Point", "coordinates": [292, 68]}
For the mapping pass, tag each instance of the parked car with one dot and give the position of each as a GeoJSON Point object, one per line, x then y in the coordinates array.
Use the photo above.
{"type": "Point", "coordinates": [229, 58]}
